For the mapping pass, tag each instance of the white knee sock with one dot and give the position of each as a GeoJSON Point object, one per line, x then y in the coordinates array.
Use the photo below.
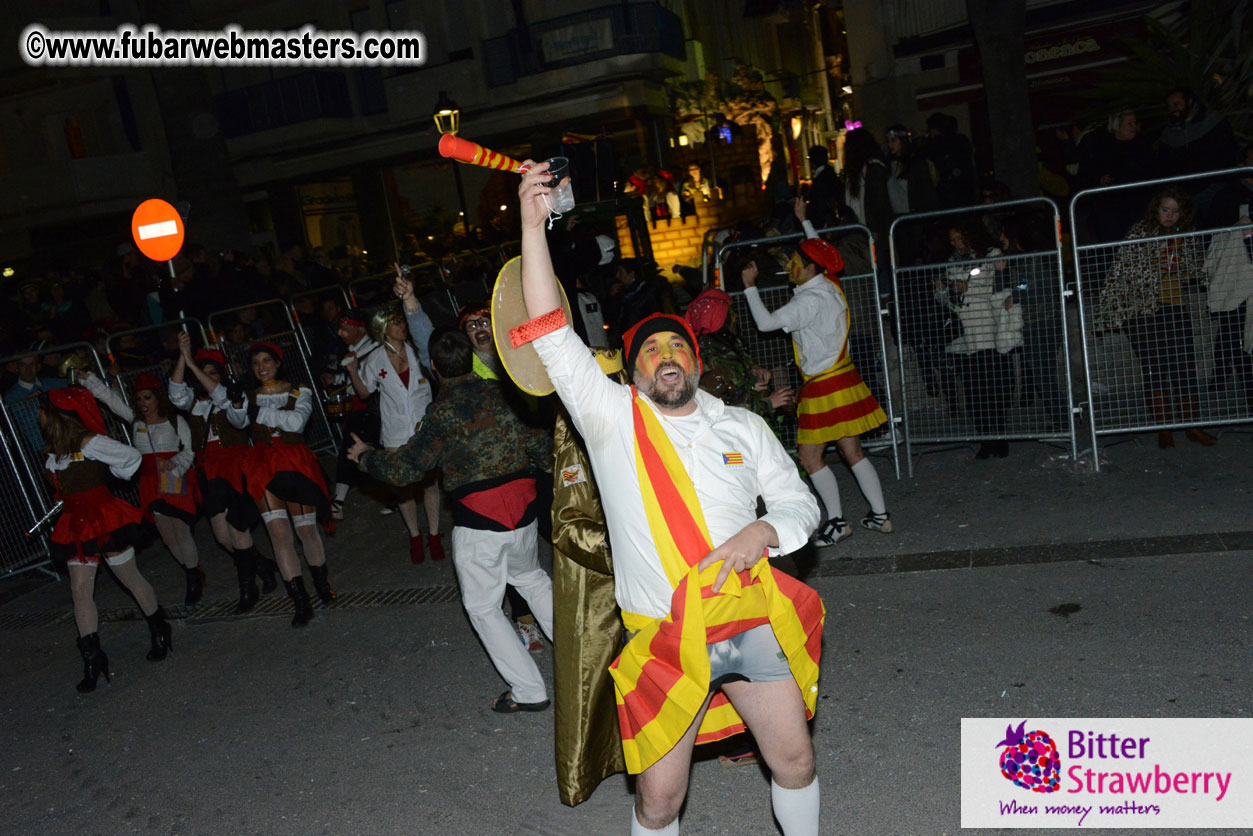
{"type": "Point", "coordinates": [868, 481]}
{"type": "Point", "coordinates": [828, 491]}
{"type": "Point", "coordinates": [637, 829]}
{"type": "Point", "coordinates": [796, 810]}
{"type": "Point", "coordinates": [341, 491]}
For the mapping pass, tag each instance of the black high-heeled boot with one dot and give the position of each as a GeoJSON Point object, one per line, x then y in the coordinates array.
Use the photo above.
{"type": "Point", "coordinates": [162, 635]}
{"type": "Point", "coordinates": [94, 662]}
{"type": "Point", "coordinates": [267, 571]}
{"type": "Point", "coordinates": [195, 585]}
{"type": "Point", "coordinates": [300, 597]}
{"type": "Point", "coordinates": [325, 593]}
{"type": "Point", "coordinates": [247, 580]}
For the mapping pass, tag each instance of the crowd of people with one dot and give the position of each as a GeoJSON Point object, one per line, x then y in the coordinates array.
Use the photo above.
{"type": "Point", "coordinates": [432, 404]}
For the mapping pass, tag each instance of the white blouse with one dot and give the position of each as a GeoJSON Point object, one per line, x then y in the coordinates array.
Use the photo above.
{"type": "Point", "coordinates": [122, 459]}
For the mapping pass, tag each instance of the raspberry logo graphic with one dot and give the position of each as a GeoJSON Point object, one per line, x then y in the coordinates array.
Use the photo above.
{"type": "Point", "coordinates": [1030, 759]}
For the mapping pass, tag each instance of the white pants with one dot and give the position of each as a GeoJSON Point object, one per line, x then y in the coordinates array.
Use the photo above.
{"type": "Point", "coordinates": [485, 561]}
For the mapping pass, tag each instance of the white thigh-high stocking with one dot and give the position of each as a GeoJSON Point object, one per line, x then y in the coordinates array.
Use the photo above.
{"type": "Point", "coordinates": [82, 591]}
{"type": "Point", "coordinates": [310, 538]}
{"type": "Point", "coordinates": [283, 543]}
{"type": "Point", "coordinates": [176, 535]}
{"type": "Point", "coordinates": [796, 810]}
{"type": "Point", "coordinates": [126, 570]}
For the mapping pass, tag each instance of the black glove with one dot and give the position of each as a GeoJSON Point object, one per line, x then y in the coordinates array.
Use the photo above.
{"type": "Point", "coordinates": [235, 392]}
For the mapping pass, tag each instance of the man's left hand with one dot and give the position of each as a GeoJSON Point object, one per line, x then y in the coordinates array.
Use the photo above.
{"type": "Point", "coordinates": [357, 449]}
{"type": "Point", "coordinates": [742, 551]}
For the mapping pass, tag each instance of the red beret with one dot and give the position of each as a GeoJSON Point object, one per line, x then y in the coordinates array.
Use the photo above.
{"type": "Point", "coordinates": [268, 347]}
{"type": "Point", "coordinates": [210, 355]}
{"type": "Point", "coordinates": [147, 380]}
{"type": "Point", "coordinates": [824, 254]}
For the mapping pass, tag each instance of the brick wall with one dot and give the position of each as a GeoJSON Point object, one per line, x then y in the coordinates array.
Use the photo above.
{"type": "Point", "coordinates": [677, 241]}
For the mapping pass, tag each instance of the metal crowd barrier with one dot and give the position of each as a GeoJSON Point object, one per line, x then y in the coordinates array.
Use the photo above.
{"type": "Point", "coordinates": [866, 342]}
{"type": "Point", "coordinates": [982, 343]}
{"type": "Point", "coordinates": [25, 490]}
{"type": "Point", "coordinates": [318, 433]}
{"type": "Point", "coordinates": [1186, 362]}
{"type": "Point", "coordinates": [126, 373]}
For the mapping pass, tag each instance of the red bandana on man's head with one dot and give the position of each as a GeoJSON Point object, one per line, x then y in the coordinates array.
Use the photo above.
{"type": "Point", "coordinates": [78, 402]}
{"type": "Point", "coordinates": [635, 336]}
{"type": "Point", "coordinates": [708, 311]}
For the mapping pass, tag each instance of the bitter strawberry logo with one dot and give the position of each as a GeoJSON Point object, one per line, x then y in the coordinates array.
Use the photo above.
{"type": "Point", "coordinates": [1030, 759]}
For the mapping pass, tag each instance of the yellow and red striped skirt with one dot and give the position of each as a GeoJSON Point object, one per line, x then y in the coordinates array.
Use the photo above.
{"type": "Point", "coordinates": [836, 404]}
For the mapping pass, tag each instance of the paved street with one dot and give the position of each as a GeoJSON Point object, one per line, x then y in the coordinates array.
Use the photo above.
{"type": "Point", "coordinates": [375, 720]}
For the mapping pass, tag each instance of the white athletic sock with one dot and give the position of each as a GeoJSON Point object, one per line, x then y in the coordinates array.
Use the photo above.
{"type": "Point", "coordinates": [828, 491]}
{"type": "Point", "coordinates": [796, 810]}
{"type": "Point", "coordinates": [637, 829]}
{"type": "Point", "coordinates": [341, 491]}
{"type": "Point", "coordinates": [868, 481]}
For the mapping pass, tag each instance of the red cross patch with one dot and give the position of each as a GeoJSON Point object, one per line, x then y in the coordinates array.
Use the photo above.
{"type": "Point", "coordinates": [382, 372]}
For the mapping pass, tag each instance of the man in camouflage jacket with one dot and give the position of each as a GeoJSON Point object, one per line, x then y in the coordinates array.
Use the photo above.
{"type": "Point", "coordinates": [488, 457]}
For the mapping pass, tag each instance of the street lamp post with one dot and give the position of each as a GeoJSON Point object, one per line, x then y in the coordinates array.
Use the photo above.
{"type": "Point", "coordinates": [447, 118]}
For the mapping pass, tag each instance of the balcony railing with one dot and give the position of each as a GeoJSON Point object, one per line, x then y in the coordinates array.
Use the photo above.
{"type": "Point", "coordinates": [593, 35]}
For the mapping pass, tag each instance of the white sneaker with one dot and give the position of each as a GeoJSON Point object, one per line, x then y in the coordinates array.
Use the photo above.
{"type": "Point", "coordinates": [530, 635]}
{"type": "Point", "coordinates": [833, 532]}
{"type": "Point", "coordinates": [387, 510]}
{"type": "Point", "coordinates": [877, 522]}
{"type": "Point", "coordinates": [337, 510]}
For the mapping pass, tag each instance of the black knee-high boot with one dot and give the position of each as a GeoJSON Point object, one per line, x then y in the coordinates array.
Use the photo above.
{"type": "Point", "coordinates": [162, 635]}
{"type": "Point", "coordinates": [94, 662]}
{"type": "Point", "coordinates": [300, 597]}
{"type": "Point", "coordinates": [246, 574]}
{"type": "Point", "coordinates": [325, 593]}
{"type": "Point", "coordinates": [266, 569]}
{"type": "Point", "coordinates": [195, 585]}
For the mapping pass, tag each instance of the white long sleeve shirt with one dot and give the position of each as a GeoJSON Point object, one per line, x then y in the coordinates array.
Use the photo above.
{"type": "Point", "coordinates": [183, 397]}
{"type": "Point", "coordinates": [169, 436]}
{"type": "Point", "coordinates": [401, 407]}
{"type": "Point", "coordinates": [601, 411]}
{"type": "Point", "coordinates": [271, 412]}
{"type": "Point", "coordinates": [122, 459]}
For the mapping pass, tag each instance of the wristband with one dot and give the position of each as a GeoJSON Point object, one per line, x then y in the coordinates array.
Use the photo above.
{"type": "Point", "coordinates": [544, 324]}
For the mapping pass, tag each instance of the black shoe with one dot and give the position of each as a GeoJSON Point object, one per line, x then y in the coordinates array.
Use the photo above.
{"type": "Point", "coordinates": [195, 585]}
{"type": "Point", "coordinates": [246, 573]}
{"type": "Point", "coordinates": [267, 571]}
{"type": "Point", "coordinates": [833, 532]}
{"type": "Point", "coordinates": [94, 662]}
{"type": "Point", "coordinates": [320, 584]}
{"type": "Point", "coordinates": [162, 635]}
{"type": "Point", "coordinates": [1002, 449]}
{"type": "Point", "coordinates": [300, 597]}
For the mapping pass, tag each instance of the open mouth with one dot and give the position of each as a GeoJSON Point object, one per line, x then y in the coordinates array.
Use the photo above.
{"type": "Point", "coordinates": [669, 374]}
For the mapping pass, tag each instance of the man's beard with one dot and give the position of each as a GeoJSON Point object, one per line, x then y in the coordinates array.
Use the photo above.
{"type": "Point", "coordinates": [671, 397]}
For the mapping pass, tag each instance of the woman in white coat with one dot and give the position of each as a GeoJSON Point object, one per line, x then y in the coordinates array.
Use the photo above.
{"type": "Point", "coordinates": [990, 331]}
{"type": "Point", "coordinates": [404, 395]}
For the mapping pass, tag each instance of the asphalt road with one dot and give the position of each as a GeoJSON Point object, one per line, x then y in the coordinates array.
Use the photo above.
{"type": "Point", "coordinates": [374, 719]}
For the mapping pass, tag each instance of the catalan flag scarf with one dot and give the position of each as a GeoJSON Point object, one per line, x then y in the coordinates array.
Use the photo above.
{"type": "Point", "coordinates": [661, 678]}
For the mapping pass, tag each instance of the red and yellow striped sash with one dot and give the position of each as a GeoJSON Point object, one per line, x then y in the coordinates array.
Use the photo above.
{"type": "Point", "coordinates": [662, 677]}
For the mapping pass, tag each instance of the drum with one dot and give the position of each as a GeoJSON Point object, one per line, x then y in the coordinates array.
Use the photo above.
{"type": "Point", "coordinates": [342, 403]}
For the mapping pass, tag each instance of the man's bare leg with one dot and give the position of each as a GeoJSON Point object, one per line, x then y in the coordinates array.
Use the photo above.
{"type": "Point", "coordinates": [775, 713]}
{"type": "Point", "coordinates": [661, 788]}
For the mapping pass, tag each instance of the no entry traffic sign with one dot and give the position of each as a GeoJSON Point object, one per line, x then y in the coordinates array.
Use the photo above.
{"type": "Point", "coordinates": [157, 229]}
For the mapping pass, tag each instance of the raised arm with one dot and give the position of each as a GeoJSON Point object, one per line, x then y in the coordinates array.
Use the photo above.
{"type": "Point", "coordinates": [108, 396]}
{"type": "Point", "coordinates": [420, 325]}
{"type": "Point", "coordinates": [539, 282]}
{"type": "Point", "coordinates": [185, 361]}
